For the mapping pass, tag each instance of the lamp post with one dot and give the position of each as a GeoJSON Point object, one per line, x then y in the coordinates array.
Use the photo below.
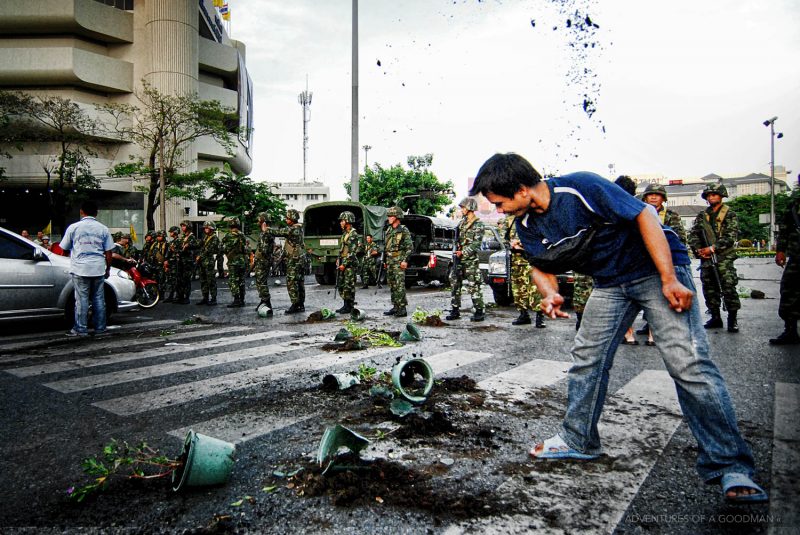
{"type": "Point", "coordinates": [771, 124]}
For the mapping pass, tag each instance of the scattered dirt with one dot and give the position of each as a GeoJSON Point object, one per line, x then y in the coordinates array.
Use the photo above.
{"type": "Point", "coordinates": [433, 321]}
{"type": "Point", "coordinates": [316, 317]}
{"type": "Point", "coordinates": [486, 328]}
{"type": "Point", "coordinates": [347, 345]}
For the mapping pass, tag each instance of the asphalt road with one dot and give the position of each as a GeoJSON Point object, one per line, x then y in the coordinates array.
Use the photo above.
{"type": "Point", "coordinates": [459, 465]}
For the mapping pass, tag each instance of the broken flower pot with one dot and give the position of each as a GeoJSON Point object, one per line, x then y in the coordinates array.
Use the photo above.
{"type": "Point", "coordinates": [413, 379]}
{"type": "Point", "coordinates": [207, 461]}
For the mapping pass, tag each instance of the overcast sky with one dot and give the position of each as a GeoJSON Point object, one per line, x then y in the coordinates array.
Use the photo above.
{"type": "Point", "coordinates": [680, 88]}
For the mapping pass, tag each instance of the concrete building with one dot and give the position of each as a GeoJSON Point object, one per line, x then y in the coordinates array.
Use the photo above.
{"type": "Point", "coordinates": [99, 51]}
{"type": "Point", "coordinates": [298, 195]}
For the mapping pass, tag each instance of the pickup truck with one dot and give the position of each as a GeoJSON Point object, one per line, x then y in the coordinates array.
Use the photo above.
{"type": "Point", "coordinates": [497, 278]}
{"type": "Point", "coordinates": [433, 239]}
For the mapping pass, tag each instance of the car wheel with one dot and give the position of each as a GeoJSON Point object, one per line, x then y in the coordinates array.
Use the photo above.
{"type": "Point", "coordinates": [501, 296]}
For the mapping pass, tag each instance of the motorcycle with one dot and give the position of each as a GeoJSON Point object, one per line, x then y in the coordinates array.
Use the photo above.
{"type": "Point", "coordinates": [147, 294]}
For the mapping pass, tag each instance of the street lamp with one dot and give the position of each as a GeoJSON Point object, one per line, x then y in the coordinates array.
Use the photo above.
{"type": "Point", "coordinates": [771, 124]}
{"type": "Point", "coordinates": [366, 155]}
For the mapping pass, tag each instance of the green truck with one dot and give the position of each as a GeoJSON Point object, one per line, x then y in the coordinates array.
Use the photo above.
{"type": "Point", "coordinates": [322, 231]}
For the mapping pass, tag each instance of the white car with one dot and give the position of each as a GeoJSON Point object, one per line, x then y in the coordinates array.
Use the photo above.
{"type": "Point", "coordinates": [35, 283]}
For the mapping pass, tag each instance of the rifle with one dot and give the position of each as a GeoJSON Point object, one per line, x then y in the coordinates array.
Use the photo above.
{"type": "Point", "coordinates": [456, 260]}
{"type": "Point", "coordinates": [336, 284]}
{"type": "Point", "coordinates": [508, 252]}
{"type": "Point", "coordinates": [705, 230]}
{"type": "Point", "coordinates": [383, 258]}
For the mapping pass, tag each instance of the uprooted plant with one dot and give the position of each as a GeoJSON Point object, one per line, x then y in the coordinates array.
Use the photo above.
{"type": "Point", "coordinates": [371, 336]}
{"type": "Point", "coordinates": [430, 318]}
{"type": "Point", "coordinates": [120, 460]}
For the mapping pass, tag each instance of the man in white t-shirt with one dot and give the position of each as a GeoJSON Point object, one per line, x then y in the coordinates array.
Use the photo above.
{"type": "Point", "coordinates": [89, 243]}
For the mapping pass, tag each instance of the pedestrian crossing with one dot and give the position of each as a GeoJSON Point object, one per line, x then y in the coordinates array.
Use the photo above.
{"type": "Point", "coordinates": [647, 403]}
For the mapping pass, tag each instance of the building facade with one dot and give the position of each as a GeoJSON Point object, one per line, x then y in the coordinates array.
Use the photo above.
{"type": "Point", "coordinates": [94, 52]}
{"type": "Point", "coordinates": [299, 195]}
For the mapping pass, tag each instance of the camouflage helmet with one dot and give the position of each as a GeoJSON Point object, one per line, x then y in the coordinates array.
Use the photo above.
{"type": "Point", "coordinates": [127, 236]}
{"type": "Point", "coordinates": [234, 223]}
{"type": "Point", "coordinates": [347, 217]}
{"type": "Point", "coordinates": [469, 203]}
{"type": "Point", "coordinates": [159, 233]}
{"type": "Point", "coordinates": [394, 211]}
{"type": "Point", "coordinates": [655, 188]}
{"type": "Point", "coordinates": [173, 228]}
{"type": "Point", "coordinates": [117, 236]}
{"type": "Point", "coordinates": [264, 216]}
{"type": "Point", "coordinates": [150, 233]}
{"type": "Point", "coordinates": [210, 224]}
{"type": "Point", "coordinates": [187, 223]}
{"type": "Point", "coordinates": [719, 189]}
{"type": "Point", "coordinates": [293, 214]}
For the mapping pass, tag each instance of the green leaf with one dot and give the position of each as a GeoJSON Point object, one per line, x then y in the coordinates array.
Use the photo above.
{"type": "Point", "coordinates": [271, 488]}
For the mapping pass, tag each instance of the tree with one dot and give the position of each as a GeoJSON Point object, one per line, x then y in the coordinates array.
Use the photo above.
{"type": "Point", "coordinates": [239, 196]}
{"type": "Point", "coordinates": [10, 105]}
{"type": "Point", "coordinates": [749, 207]}
{"type": "Point", "coordinates": [170, 123]}
{"type": "Point", "coordinates": [415, 189]}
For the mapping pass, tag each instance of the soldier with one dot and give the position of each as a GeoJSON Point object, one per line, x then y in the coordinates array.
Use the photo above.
{"type": "Point", "coordinates": [787, 255]}
{"type": "Point", "coordinates": [206, 260]}
{"type": "Point", "coordinates": [263, 261]}
{"type": "Point", "coordinates": [526, 294]}
{"type": "Point", "coordinates": [369, 264]}
{"type": "Point", "coordinates": [187, 252]}
{"type": "Point", "coordinates": [656, 195]}
{"type": "Point", "coordinates": [714, 234]}
{"type": "Point", "coordinates": [295, 254]}
{"type": "Point", "coordinates": [121, 253]}
{"type": "Point", "coordinates": [158, 254]}
{"type": "Point", "coordinates": [398, 247]}
{"type": "Point", "coordinates": [234, 245]}
{"type": "Point", "coordinates": [466, 263]}
{"type": "Point", "coordinates": [350, 249]}
{"type": "Point", "coordinates": [171, 264]}
{"type": "Point", "coordinates": [148, 244]}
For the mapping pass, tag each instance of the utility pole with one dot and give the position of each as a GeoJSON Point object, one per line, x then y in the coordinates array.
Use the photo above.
{"type": "Point", "coordinates": [366, 154]}
{"type": "Point", "coordinates": [771, 124]}
{"type": "Point", "coordinates": [162, 184]}
{"type": "Point", "coordinates": [304, 99]}
{"type": "Point", "coordinates": [354, 193]}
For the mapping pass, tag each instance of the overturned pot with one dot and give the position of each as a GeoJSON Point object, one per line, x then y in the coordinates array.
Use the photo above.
{"type": "Point", "coordinates": [413, 379]}
{"type": "Point", "coordinates": [206, 461]}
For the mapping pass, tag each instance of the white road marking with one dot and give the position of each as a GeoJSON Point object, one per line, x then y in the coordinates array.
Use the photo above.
{"type": "Point", "coordinates": [450, 360]}
{"type": "Point", "coordinates": [103, 360]}
{"type": "Point", "coordinates": [518, 381]}
{"type": "Point", "coordinates": [170, 368]}
{"type": "Point", "coordinates": [785, 460]}
{"type": "Point", "coordinates": [145, 323]}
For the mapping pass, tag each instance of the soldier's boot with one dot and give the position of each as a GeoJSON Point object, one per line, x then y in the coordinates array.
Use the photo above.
{"type": "Point", "coordinates": [235, 303]}
{"type": "Point", "coordinates": [715, 322]}
{"type": "Point", "coordinates": [212, 302]}
{"type": "Point", "coordinates": [365, 286]}
{"type": "Point", "coordinates": [733, 325]}
{"type": "Point", "coordinates": [269, 307]}
{"type": "Point", "coordinates": [578, 319]}
{"type": "Point", "coordinates": [170, 298]}
{"type": "Point", "coordinates": [540, 320]}
{"type": "Point", "coordinates": [401, 312]}
{"type": "Point", "coordinates": [478, 315]}
{"type": "Point", "coordinates": [294, 309]}
{"type": "Point", "coordinates": [203, 301]}
{"type": "Point", "coordinates": [391, 312]}
{"type": "Point", "coordinates": [523, 319]}
{"type": "Point", "coordinates": [183, 300]}
{"type": "Point", "coordinates": [346, 308]}
{"type": "Point", "coordinates": [788, 336]}
{"type": "Point", "coordinates": [454, 314]}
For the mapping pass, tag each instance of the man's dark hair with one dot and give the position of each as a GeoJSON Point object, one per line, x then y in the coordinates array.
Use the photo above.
{"type": "Point", "coordinates": [504, 175]}
{"type": "Point", "coordinates": [626, 183]}
{"type": "Point", "coordinates": [89, 208]}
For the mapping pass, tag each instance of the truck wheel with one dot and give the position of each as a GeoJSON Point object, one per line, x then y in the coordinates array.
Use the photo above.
{"type": "Point", "coordinates": [501, 296]}
{"type": "Point", "coordinates": [320, 278]}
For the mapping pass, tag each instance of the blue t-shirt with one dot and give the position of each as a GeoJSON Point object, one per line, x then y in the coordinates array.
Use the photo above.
{"type": "Point", "coordinates": [577, 200]}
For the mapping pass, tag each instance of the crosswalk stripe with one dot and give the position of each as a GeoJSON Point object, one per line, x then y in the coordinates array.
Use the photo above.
{"type": "Point", "coordinates": [103, 360]}
{"type": "Point", "coordinates": [785, 460]}
{"type": "Point", "coordinates": [78, 384]}
{"type": "Point", "coordinates": [648, 404]}
{"type": "Point", "coordinates": [41, 337]}
{"type": "Point", "coordinates": [241, 427]}
{"type": "Point", "coordinates": [174, 395]}
{"type": "Point", "coordinates": [517, 382]}
{"type": "Point", "coordinates": [63, 341]}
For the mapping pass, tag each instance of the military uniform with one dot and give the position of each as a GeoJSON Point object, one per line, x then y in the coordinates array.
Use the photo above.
{"type": "Point", "coordinates": [350, 249]}
{"type": "Point", "coordinates": [788, 243]}
{"type": "Point", "coordinates": [234, 245]}
{"type": "Point", "coordinates": [295, 255]}
{"type": "Point", "coordinates": [470, 237]}
{"type": "Point", "coordinates": [719, 229]}
{"type": "Point", "coordinates": [398, 246]}
{"type": "Point", "coordinates": [263, 263]}
{"type": "Point", "coordinates": [187, 248]}
{"type": "Point", "coordinates": [158, 254]}
{"type": "Point", "coordinates": [172, 265]}
{"type": "Point", "coordinates": [369, 264]}
{"type": "Point", "coordinates": [206, 259]}
{"type": "Point", "coordinates": [524, 290]}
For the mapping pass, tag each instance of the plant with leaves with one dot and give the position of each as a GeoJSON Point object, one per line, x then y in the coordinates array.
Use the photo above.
{"type": "Point", "coordinates": [119, 460]}
{"type": "Point", "coordinates": [370, 336]}
{"type": "Point", "coordinates": [415, 189]}
{"type": "Point", "coordinates": [749, 207]}
{"type": "Point", "coordinates": [11, 103]}
{"type": "Point", "coordinates": [160, 123]}
{"type": "Point", "coordinates": [420, 314]}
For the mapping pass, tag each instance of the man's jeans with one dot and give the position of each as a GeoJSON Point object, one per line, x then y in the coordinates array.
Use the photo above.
{"type": "Point", "coordinates": [89, 288]}
{"type": "Point", "coordinates": [683, 344]}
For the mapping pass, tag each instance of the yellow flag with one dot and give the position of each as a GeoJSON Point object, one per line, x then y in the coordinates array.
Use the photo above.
{"type": "Point", "coordinates": [226, 15]}
{"type": "Point", "coordinates": [218, 3]}
{"type": "Point", "coordinates": [133, 233]}
{"type": "Point", "coordinates": [48, 229]}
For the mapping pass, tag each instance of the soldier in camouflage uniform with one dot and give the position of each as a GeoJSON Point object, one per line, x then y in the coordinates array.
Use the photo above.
{"type": "Point", "coordinates": [787, 255]}
{"type": "Point", "coordinates": [187, 248]}
{"type": "Point", "coordinates": [656, 195]}
{"type": "Point", "coordinates": [582, 290]}
{"type": "Point", "coordinates": [158, 254]}
{"type": "Point", "coordinates": [715, 232]}
{"type": "Point", "coordinates": [369, 264]}
{"type": "Point", "coordinates": [294, 250]}
{"type": "Point", "coordinates": [526, 294]}
{"type": "Point", "coordinates": [263, 261]}
{"type": "Point", "coordinates": [171, 264]}
{"type": "Point", "coordinates": [470, 236]}
{"type": "Point", "coordinates": [398, 246]}
{"type": "Point", "coordinates": [350, 249]}
{"type": "Point", "coordinates": [148, 244]}
{"type": "Point", "coordinates": [206, 260]}
{"type": "Point", "coordinates": [234, 245]}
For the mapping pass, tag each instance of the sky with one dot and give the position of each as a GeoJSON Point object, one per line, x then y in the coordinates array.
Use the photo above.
{"type": "Point", "coordinates": [677, 89]}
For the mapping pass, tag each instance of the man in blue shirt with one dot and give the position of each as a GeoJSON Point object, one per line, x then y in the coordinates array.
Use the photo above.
{"type": "Point", "coordinates": [635, 266]}
{"type": "Point", "coordinates": [89, 243]}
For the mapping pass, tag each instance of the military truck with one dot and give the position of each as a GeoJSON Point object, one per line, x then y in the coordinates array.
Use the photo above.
{"type": "Point", "coordinates": [433, 239]}
{"type": "Point", "coordinates": [322, 232]}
